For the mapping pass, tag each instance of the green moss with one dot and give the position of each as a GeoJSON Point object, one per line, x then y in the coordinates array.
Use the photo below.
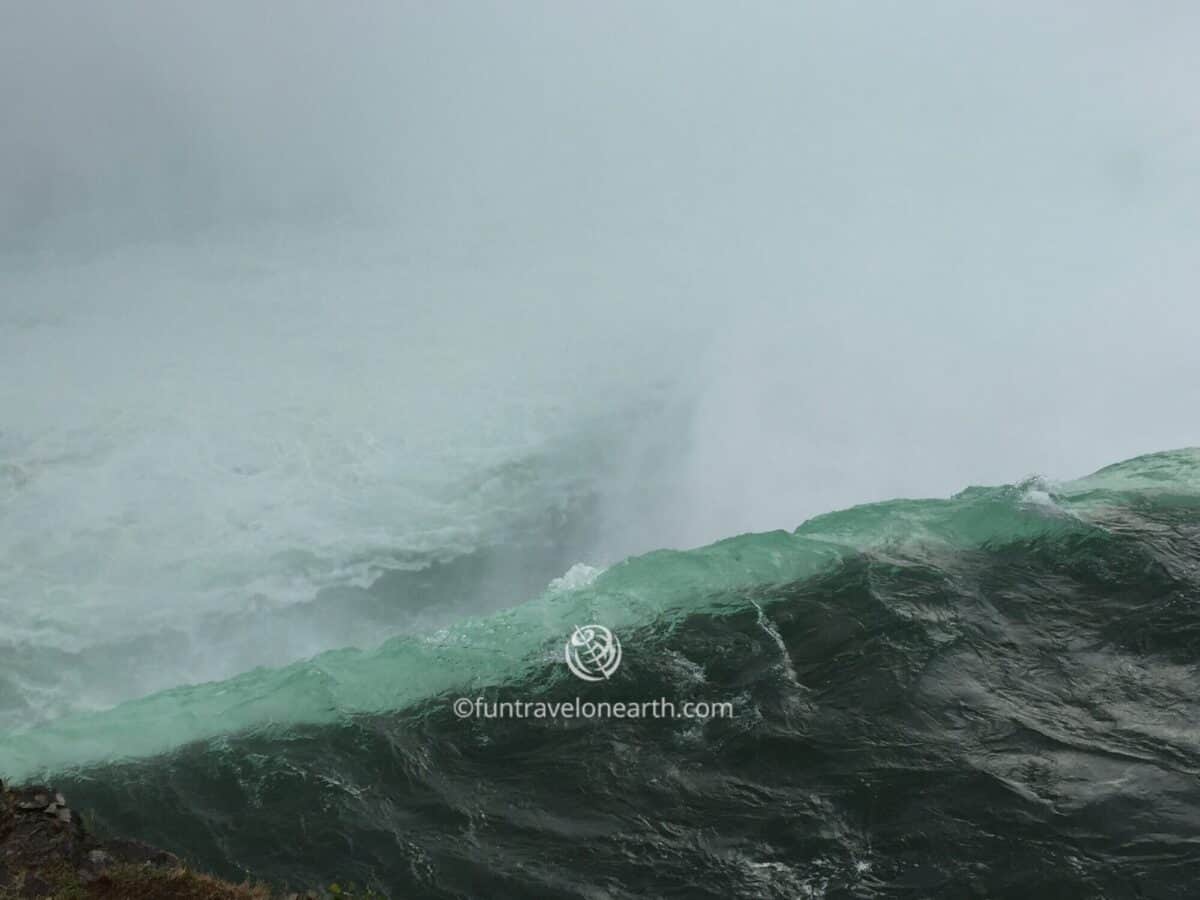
{"type": "Point", "coordinates": [30, 841]}
{"type": "Point", "coordinates": [137, 882]}
{"type": "Point", "coordinates": [353, 892]}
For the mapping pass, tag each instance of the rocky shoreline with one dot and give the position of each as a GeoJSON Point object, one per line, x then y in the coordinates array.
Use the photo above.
{"type": "Point", "coordinates": [46, 851]}
{"type": "Point", "coordinates": [44, 843]}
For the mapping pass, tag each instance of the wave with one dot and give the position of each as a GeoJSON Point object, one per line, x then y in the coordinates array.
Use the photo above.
{"type": "Point", "coordinates": [991, 695]}
{"type": "Point", "coordinates": [659, 587]}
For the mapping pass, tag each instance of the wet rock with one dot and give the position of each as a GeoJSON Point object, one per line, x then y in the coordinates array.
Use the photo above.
{"type": "Point", "coordinates": [45, 851]}
{"type": "Point", "coordinates": [126, 851]}
{"type": "Point", "coordinates": [32, 799]}
{"type": "Point", "coordinates": [39, 834]}
{"type": "Point", "coordinates": [95, 865]}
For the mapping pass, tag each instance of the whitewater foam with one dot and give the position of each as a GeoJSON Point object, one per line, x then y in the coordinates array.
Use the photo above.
{"type": "Point", "coordinates": [652, 589]}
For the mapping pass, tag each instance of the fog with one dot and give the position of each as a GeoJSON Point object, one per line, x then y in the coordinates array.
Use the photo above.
{"type": "Point", "coordinates": [840, 252]}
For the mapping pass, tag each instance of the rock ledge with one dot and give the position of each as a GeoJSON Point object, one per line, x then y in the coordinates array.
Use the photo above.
{"type": "Point", "coordinates": [45, 851]}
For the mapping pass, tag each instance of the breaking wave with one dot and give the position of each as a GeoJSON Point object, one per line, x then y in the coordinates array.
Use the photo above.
{"type": "Point", "coordinates": [995, 690]}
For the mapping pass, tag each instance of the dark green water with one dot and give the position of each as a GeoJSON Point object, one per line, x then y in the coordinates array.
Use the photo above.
{"type": "Point", "coordinates": [988, 696]}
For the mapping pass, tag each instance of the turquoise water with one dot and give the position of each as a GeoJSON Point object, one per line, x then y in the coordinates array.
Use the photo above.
{"type": "Point", "coordinates": [658, 587]}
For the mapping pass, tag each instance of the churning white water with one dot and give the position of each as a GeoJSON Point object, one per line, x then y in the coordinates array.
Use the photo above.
{"type": "Point", "coordinates": [292, 301]}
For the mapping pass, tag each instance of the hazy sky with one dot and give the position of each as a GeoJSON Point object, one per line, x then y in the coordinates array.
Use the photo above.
{"type": "Point", "coordinates": [801, 125]}
{"type": "Point", "coordinates": [924, 243]}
